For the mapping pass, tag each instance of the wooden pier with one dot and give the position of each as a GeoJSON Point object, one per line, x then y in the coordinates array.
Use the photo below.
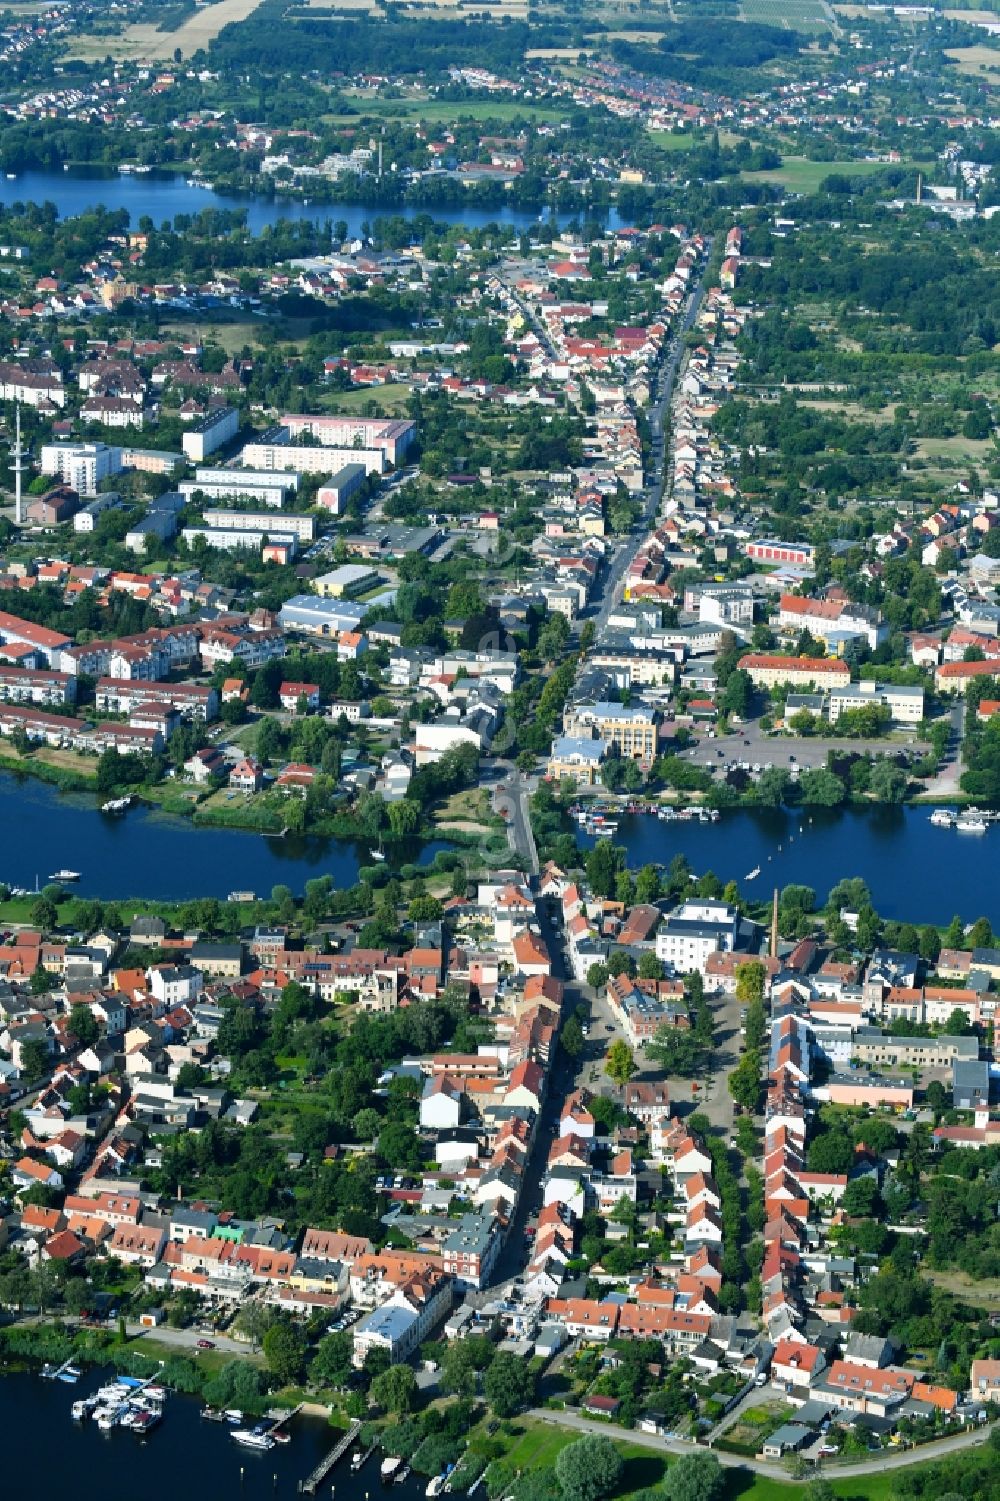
{"type": "Point", "coordinates": [326, 1464]}
{"type": "Point", "coordinates": [285, 1418]}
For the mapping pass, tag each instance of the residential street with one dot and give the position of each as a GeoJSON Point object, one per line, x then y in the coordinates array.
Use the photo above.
{"type": "Point", "coordinates": [610, 583]}
{"type": "Point", "coordinates": [875, 1466]}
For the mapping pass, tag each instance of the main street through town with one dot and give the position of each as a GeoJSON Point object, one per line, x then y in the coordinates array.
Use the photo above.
{"type": "Point", "coordinates": [511, 791]}
{"type": "Point", "coordinates": [610, 584]}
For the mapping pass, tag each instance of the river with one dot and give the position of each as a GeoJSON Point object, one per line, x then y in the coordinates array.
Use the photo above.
{"type": "Point", "coordinates": [161, 195]}
{"type": "Point", "coordinates": [184, 1456]}
{"type": "Point", "coordinates": [148, 853]}
{"type": "Point", "coordinates": [915, 871]}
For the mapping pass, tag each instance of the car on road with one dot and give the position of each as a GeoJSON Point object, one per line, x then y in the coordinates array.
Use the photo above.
{"type": "Point", "coordinates": [206, 1344]}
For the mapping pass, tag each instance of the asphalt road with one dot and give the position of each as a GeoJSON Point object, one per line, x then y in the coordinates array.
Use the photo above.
{"type": "Point", "coordinates": [874, 1466]}
{"type": "Point", "coordinates": [610, 587]}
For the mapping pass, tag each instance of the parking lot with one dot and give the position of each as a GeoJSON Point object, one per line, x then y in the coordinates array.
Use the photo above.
{"type": "Point", "coordinates": [751, 744]}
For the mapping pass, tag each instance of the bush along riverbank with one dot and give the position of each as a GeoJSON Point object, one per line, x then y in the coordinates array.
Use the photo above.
{"type": "Point", "coordinates": [235, 1382]}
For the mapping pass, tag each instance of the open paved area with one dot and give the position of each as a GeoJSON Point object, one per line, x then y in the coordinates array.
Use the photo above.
{"type": "Point", "coordinates": [749, 742]}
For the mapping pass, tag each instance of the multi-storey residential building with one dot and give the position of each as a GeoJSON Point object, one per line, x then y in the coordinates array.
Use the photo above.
{"type": "Point", "coordinates": [767, 671]}
{"type": "Point", "coordinates": [693, 931]}
{"type": "Point", "coordinates": [394, 436]}
{"type": "Point", "coordinates": [122, 696]}
{"type": "Point", "coordinates": [26, 685]}
{"type": "Point", "coordinates": [629, 729]}
{"type": "Point", "coordinates": [301, 527]}
{"type": "Point", "coordinates": [82, 466]}
{"type": "Point", "coordinates": [470, 1252]}
{"type": "Point", "coordinates": [833, 620]}
{"type": "Point", "coordinates": [252, 648]}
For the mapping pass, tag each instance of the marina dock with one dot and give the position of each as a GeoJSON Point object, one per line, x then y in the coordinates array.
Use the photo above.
{"type": "Point", "coordinates": [310, 1485]}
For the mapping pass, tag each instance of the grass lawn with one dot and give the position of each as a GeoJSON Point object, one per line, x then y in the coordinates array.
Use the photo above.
{"type": "Point", "coordinates": [438, 112]}
{"type": "Point", "coordinates": [540, 1443]}
{"type": "Point", "coordinates": [393, 400]}
{"type": "Point", "coordinates": [800, 175]}
{"type": "Point", "coordinates": [673, 140]}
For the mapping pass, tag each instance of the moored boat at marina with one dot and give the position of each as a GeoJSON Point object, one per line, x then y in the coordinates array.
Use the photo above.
{"type": "Point", "coordinates": [247, 1438]}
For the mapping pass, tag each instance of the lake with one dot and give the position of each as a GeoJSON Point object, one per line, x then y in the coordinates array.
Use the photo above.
{"type": "Point", "coordinates": [148, 853]}
{"type": "Point", "coordinates": [162, 195]}
{"type": "Point", "coordinates": [184, 1456]}
{"type": "Point", "coordinates": [915, 871]}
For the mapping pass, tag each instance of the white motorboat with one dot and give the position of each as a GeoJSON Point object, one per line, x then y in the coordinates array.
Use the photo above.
{"type": "Point", "coordinates": [969, 825]}
{"type": "Point", "coordinates": [390, 1465]}
{"type": "Point", "coordinates": [65, 875]}
{"type": "Point", "coordinates": [250, 1440]}
{"type": "Point", "coordinates": [435, 1486]}
{"type": "Point", "coordinates": [942, 818]}
{"type": "Point", "coordinates": [752, 875]}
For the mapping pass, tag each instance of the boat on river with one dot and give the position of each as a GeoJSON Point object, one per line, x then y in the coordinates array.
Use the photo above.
{"type": "Point", "coordinates": [65, 875]}
{"type": "Point", "coordinates": [117, 804]}
{"type": "Point", "coordinates": [390, 1465]}
{"type": "Point", "coordinates": [247, 1438]}
{"type": "Point", "coordinates": [968, 824]}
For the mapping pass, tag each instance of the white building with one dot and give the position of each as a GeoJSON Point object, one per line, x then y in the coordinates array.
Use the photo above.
{"type": "Point", "coordinates": [212, 432]}
{"type": "Point", "coordinates": [693, 931]}
{"type": "Point", "coordinates": [82, 466]}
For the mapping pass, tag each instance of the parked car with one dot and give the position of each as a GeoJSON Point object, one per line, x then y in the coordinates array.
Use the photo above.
{"type": "Point", "coordinates": [206, 1344]}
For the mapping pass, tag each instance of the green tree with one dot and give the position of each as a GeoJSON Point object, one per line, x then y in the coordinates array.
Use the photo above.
{"type": "Point", "coordinates": [980, 935]}
{"type": "Point", "coordinates": [695, 1477]}
{"type": "Point", "coordinates": [821, 788]}
{"type": "Point", "coordinates": [404, 817]}
{"type": "Point", "coordinates": [285, 1352]}
{"type": "Point", "coordinates": [650, 968]}
{"type": "Point", "coordinates": [462, 1362]}
{"type": "Point", "coordinates": [750, 979]}
{"type": "Point", "coordinates": [395, 1389]}
{"type": "Point", "coordinates": [589, 1469]}
{"type": "Point", "coordinates": [83, 1025]}
{"type": "Point", "coordinates": [332, 1364]}
{"type": "Point", "coordinates": [572, 1038]}
{"type": "Point", "coordinates": [597, 976]}
{"type": "Point", "coordinates": [43, 914]}
{"type": "Point", "coordinates": [678, 1050]}
{"type": "Point", "coordinates": [888, 782]}
{"type": "Point", "coordinates": [509, 1385]}
{"type": "Point", "coordinates": [620, 1063]}
{"type": "Point", "coordinates": [744, 1082]}
{"type": "Point", "coordinates": [34, 1058]}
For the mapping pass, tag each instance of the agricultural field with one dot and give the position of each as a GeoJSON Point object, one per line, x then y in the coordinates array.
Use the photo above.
{"type": "Point", "coordinates": [144, 40]}
{"type": "Point", "coordinates": [796, 15]}
{"type": "Point", "coordinates": [975, 61]}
